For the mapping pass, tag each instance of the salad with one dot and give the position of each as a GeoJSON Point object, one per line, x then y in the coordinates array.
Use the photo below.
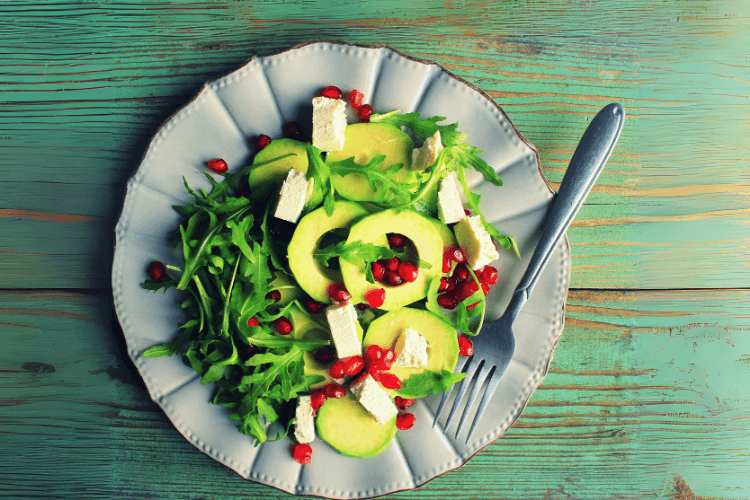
{"type": "Point", "coordinates": [334, 281]}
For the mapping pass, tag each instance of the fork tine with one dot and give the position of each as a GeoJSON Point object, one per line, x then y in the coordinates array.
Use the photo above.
{"type": "Point", "coordinates": [446, 395]}
{"type": "Point", "coordinates": [472, 365]}
{"type": "Point", "coordinates": [492, 381]}
{"type": "Point", "coordinates": [484, 371]}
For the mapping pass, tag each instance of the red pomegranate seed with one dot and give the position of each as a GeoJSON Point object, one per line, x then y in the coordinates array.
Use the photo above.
{"type": "Point", "coordinates": [465, 346]}
{"type": "Point", "coordinates": [444, 284]}
{"type": "Point", "coordinates": [375, 371]}
{"type": "Point", "coordinates": [283, 326]}
{"type": "Point", "coordinates": [378, 270]}
{"type": "Point", "coordinates": [393, 278]}
{"type": "Point", "coordinates": [217, 165]}
{"type": "Point", "coordinates": [355, 98]}
{"type": "Point", "coordinates": [325, 356]}
{"type": "Point", "coordinates": [337, 370]}
{"type": "Point", "coordinates": [403, 403]}
{"type": "Point", "coordinates": [261, 142]}
{"type": "Point", "coordinates": [461, 272]}
{"type": "Point", "coordinates": [274, 295]}
{"type": "Point", "coordinates": [485, 288]}
{"type": "Point", "coordinates": [490, 275]}
{"type": "Point", "coordinates": [253, 322]}
{"type": "Point", "coordinates": [338, 292]}
{"type": "Point", "coordinates": [302, 453]}
{"type": "Point", "coordinates": [157, 271]}
{"type": "Point", "coordinates": [335, 391]}
{"type": "Point", "coordinates": [373, 354]}
{"type": "Point", "coordinates": [472, 306]}
{"type": "Point", "coordinates": [405, 421]}
{"type": "Point", "coordinates": [451, 284]}
{"type": "Point", "coordinates": [467, 212]}
{"type": "Point", "coordinates": [331, 92]}
{"type": "Point", "coordinates": [447, 262]}
{"type": "Point", "coordinates": [396, 240]}
{"type": "Point", "coordinates": [392, 264]}
{"type": "Point", "coordinates": [375, 298]}
{"type": "Point", "coordinates": [408, 271]}
{"type": "Point", "coordinates": [312, 306]}
{"type": "Point", "coordinates": [390, 381]}
{"type": "Point", "coordinates": [389, 356]}
{"type": "Point", "coordinates": [447, 301]}
{"type": "Point", "coordinates": [463, 292]}
{"type": "Point", "coordinates": [318, 399]}
{"type": "Point", "coordinates": [292, 130]}
{"type": "Point", "coordinates": [457, 255]}
{"type": "Point", "coordinates": [473, 285]}
{"type": "Point", "coordinates": [362, 306]}
{"type": "Point", "coordinates": [353, 365]}
{"type": "Point", "coordinates": [364, 112]}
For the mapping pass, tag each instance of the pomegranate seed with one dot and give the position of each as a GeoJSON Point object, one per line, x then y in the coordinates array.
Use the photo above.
{"type": "Point", "coordinates": [283, 326]}
{"type": "Point", "coordinates": [403, 403]}
{"type": "Point", "coordinates": [405, 421]}
{"type": "Point", "coordinates": [292, 130]}
{"type": "Point", "coordinates": [312, 306]}
{"type": "Point", "coordinates": [447, 263]}
{"type": "Point", "coordinates": [473, 286]}
{"type": "Point", "coordinates": [376, 372]}
{"type": "Point", "coordinates": [447, 301]}
{"type": "Point", "coordinates": [331, 92]}
{"type": "Point", "coordinates": [392, 264]}
{"type": "Point", "coordinates": [465, 346]}
{"type": "Point", "coordinates": [393, 278]}
{"type": "Point", "coordinates": [261, 142]}
{"type": "Point", "coordinates": [253, 322]}
{"type": "Point", "coordinates": [302, 453]}
{"type": "Point", "coordinates": [157, 271]}
{"type": "Point", "coordinates": [353, 365]}
{"type": "Point", "coordinates": [463, 292]}
{"type": "Point", "coordinates": [355, 98]}
{"type": "Point", "coordinates": [457, 255]}
{"type": "Point", "coordinates": [318, 399]}
{"type": "Point", "coordinates": [247, 351]}
{"type": "Point", "coordinates": [364, 112]}
{"type": "Point", "coordinates": [274, 295]}
{"type": "Point", "coordinates": [485, 288]}
{"type": "Point", "coordinates": [378, 270]}
{"type": "Point", "coordinates": [389, 356]}
{"type": "Point", "coordinates": [451, 284]}
{"type": "Point", "coordinates": [373, 354]}
{"type": "Point", "coordinates": [217, 165]}
{"type": "Point", "coordinates": [461, 272]}
{"type": "Point", "coordinates": [490, 275]}
{"type": "Point", "coordinates": [362, 306]}
{"type": "Point", "coordinates": [472, 306]}
{"type": "Point", "coordinates": [359, 379]}
{"type": "Point", "coordinates": [338, 292]}
{"type": "Point", "coordinates": [396, 240]}
{"type": "Point", "coordinates": [408, 271]}
{"type": "Point", "coordinates": [375, 297]}
{"type": "Point", "coordinates": [325, 355]}
{"type": "Point", "coordinates": [444, 284]}
{"type": "Point", "coordinates": [467, 212]}
{"type": "Point", "coordinates": [335, 391]}
{"type": "Point", "coordinates": [337, 370]}
{"type": "Point", "coordinates": [390, 381]}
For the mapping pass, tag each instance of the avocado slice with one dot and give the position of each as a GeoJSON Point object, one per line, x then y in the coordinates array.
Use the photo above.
{"type": "Point", "coordinates": [449, 239]}
{"type": "Point", "coordinates": [349, 429]}
{"type": "Point", "coordinates": [442, 353]}
{"type": "Point", "coordinates": [365, 141]}
{"type": "Point", "coordinates": [311, 274]}
{"type": "Point", "coordinates": [266, 180]}
{"type": "Point", "coordinates": [306, 327]}
{"type": "Point", "coordinates": [426, 239]}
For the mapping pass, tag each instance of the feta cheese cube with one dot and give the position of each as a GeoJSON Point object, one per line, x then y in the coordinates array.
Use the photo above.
{"type": "Point", "coordinates": [475, 241]}
{"type": "Point", "coordinates": [374, 399]}
{"type": "Point", "coordinates": [426, 155]}
{"type": "Point", "coordinates": [304, 425]}
{"type": "Point", "coordinates": [329, 123]}
{"type": "Point", "coordinates": [293, 196]}
{"type": "Point", "coordinates": [412, 349]}
{"type": "Point", "coordinates": [450, 209]}
{"type": "Point", "coordinates": [342, 319]}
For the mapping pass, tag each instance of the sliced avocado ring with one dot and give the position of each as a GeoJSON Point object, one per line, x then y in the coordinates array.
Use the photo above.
{"type": "Point", "coordinates": [266, 180]}
{"type": "Point", "coordinates": [365, 141]}
{"type": "Point", "coordinates": [427, 241]}
{"type": "Point", "coordinates": [442, 341]}
{"type": "Point", "coordinates": [449, 239]}
{"type": "Point", "coordinates": [349, 429]}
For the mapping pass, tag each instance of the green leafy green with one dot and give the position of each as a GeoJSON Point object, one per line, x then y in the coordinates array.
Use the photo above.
{"type": "Point", "coordinates": [380, 181]}
{"type": "Point", "coordinates": [428, 382]}
{"type": "Point", "coordinates": [355, 252]}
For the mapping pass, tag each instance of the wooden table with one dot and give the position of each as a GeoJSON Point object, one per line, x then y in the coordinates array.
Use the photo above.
{"type": "Point", "coordinates": [648, 394]}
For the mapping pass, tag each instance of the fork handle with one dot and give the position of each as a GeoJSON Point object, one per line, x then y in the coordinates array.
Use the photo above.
{"type": "Point", "coordinates": [587, 163]}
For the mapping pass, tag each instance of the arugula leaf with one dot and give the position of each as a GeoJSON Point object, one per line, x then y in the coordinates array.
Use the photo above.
{"type": "Point", "coordinates": [428, 382]}
{"type": "Point", "coordinates": [423, 127]}
{"type": "Point", "coordinates": [318, 170]}
{"type": "Point", "coordinates": [379, 181]}
{"type": "Point", "coordinates": [356, 253]}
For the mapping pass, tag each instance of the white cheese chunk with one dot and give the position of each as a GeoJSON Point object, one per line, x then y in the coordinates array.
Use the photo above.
{"type": "Point", "coordinates": [304, 425]}
{"type": "Point", "coordinates": [426, 155]}
{"type": "Point", "coordinates": [329, 123]}
{"type": "Point", "coordinates": [342, 319]}
{"type": "Point", "coordinates": [412, 349]}
{"type": "Point", "coordinates": [294, 194]}
{"type": "Point", "coordinates": [450, 209]}
{"type": "Point", "coordinates": [475, 241]}
{"type": "Point", "coordinates": [375, 400]}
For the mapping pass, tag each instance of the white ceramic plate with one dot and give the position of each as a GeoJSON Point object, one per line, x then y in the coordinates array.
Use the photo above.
{"type": "Point", "coordinates": [258, 98]}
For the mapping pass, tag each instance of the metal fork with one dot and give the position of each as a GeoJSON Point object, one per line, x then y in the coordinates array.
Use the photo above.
{"type": "Point", "coordinates": [494, 346]}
